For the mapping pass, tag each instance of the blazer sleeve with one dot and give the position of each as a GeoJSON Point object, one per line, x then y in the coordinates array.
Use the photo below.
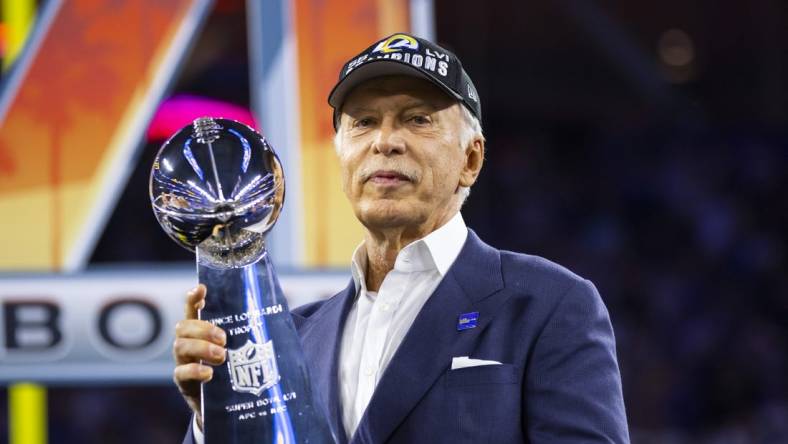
{"type": "Point", "coordinates": [189, 438]}
{"type": "Point", "coordinates": [573, 385]}
{"type": "Point", "coordinates": [193, 436]}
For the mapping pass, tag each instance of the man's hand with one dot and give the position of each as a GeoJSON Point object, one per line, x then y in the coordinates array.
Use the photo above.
{"type": "Point", "coordinates": [196, 341]}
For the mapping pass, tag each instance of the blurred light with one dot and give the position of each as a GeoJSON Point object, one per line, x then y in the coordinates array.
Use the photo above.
{"type": "Point", "coordinates": [27, 411]}
{"type": "Point", "coordinates": [675, 48]}
{"type": "Point", "coordinates": [18, 18]}
{"type": "Point", "coordinates": [180, 110]}
{"type": "Point", "coordinates": [3, 38]}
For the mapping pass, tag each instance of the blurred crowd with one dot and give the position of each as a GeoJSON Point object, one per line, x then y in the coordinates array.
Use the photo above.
{"type": "Point", "coordinates": [684, 233]}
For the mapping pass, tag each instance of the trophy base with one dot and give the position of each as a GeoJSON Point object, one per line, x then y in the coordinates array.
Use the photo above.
{"type": "Point", "coordinates": [262, 393]}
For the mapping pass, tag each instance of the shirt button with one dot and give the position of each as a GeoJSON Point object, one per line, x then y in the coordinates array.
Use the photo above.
{"type": "Point", "coordinates": [369, 371]}
{"type": "Point", "coordinates": [386, 307]}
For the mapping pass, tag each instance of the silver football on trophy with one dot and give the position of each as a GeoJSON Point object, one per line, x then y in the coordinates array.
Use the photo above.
{"type": "Point", "coordinates": [217, 187]}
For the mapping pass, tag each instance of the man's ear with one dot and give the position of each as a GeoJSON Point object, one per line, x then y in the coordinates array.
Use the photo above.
{"type": "Point", "coordinates": [474, 158]}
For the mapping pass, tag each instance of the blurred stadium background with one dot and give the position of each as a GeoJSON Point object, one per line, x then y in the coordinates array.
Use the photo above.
{"type": "Point", "coordinates": [642, 144]}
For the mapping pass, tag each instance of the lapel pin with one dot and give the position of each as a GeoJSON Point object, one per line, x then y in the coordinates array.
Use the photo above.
{"type": "Point", "coordinates": [467, 320]}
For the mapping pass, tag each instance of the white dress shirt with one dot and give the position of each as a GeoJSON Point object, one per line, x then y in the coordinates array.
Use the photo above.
{"type": "Point", "coordinates": [378, 321]}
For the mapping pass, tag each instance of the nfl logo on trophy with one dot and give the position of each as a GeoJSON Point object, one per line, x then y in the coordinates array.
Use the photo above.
{"type": "Point", "coordinates": [253, 368]}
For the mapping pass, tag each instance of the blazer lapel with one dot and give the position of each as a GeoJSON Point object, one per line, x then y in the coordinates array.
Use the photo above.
{"type": "Point", "coordinates": [321, 335]}
{"type": "Point", "coordinates": [426, 351]}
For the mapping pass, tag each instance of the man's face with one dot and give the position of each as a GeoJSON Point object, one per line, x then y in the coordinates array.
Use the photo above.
{"type": "Point", "coordinates": [400, 153]}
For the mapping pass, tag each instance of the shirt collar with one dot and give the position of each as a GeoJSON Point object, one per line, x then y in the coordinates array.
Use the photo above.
{"type": "Point", "coordinates": [436, 251]}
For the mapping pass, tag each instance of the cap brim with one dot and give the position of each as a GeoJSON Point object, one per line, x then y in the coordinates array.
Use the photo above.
{"type": "Point", "coordinates": [380, 68]}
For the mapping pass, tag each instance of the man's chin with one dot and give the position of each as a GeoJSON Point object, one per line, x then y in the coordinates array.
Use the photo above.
{"type": "Point", "coordinates": [388, 214]}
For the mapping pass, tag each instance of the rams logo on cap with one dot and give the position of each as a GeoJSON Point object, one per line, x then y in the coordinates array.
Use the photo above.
{"type": "Point", "coordinates": [397, 43]}
{"type": "Point", "coordinates": [472, 93]}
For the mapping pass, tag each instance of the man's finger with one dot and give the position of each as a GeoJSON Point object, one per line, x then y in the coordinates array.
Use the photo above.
{"type": "Point", "coordinates": [195, 300]}
{"type": "Point", "coordinates": [192, 372]}
{"type": "Point", "coordinates": [188, 350]}
{"type": "Point", "coordinates": [197, 329]}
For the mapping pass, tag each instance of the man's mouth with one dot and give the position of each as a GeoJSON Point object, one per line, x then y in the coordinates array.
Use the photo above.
{"type": "Point", "coordinates": [388, 177]}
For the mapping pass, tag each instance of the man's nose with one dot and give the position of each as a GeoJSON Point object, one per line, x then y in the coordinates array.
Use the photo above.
{"type": "Point", "coordinates": [389, 140]}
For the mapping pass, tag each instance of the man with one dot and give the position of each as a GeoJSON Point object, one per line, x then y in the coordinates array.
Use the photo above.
{"type": "Point", "coordinates": [439, 337]}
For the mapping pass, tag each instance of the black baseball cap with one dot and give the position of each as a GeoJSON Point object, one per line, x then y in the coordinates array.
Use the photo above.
{"type": "Point", "coordinates": [405, 54]}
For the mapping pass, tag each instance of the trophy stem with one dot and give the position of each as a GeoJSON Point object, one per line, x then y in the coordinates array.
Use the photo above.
{"type": "Point", "coordinates": [262, 393]}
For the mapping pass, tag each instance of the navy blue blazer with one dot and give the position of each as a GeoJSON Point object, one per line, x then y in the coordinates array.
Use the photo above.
{"type": "Point", "coordinates": [559, 381]}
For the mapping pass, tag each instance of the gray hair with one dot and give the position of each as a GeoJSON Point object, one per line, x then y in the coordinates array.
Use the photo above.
{"type": "Point", "coordinates": [471, 130]}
